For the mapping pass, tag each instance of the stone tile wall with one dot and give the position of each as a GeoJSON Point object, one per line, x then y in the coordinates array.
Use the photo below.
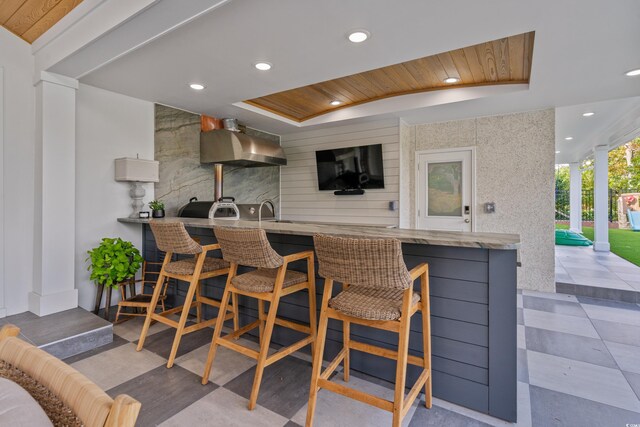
{"type": "Point", "coordinates": [177, 148]}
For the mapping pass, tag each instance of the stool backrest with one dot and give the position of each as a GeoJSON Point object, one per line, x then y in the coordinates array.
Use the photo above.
{"type": "Point", "coordinates": [247, 246]}
{"type": "Point", "coordinates": [372, 263]}
{"type": "Point", "coordinates": [173, 237]}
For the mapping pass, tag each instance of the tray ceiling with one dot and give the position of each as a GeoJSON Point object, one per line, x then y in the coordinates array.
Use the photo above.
{"type": "Point", "coordinates": [502, 61]}
{"type": "Point", "coordinates": [29, 19]}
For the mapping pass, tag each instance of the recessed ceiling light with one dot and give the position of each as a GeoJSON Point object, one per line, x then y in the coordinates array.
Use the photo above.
{"type": "Point", "coordinates": [262, 66]}
{"type": "Point", "coordinates": [588, 114]}
{"type": "Point", "coordinates": [196, 86]}
{"type": "Point", "coordinates": [632, 73]}
{"type": "Point", "coordinates": [336, 102]}
{"type": "Point", "coordinates": [358, 36]}
{"type": "Point", "coordinates": [451, 80]}
{"type": "Point", "coordinates": [569, 138]}
{"type": "Point", "coordinates": [557, 152]}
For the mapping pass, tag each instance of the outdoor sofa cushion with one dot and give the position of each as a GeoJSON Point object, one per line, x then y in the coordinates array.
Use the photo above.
{"type": "Point", "coordinates": [18, 408]}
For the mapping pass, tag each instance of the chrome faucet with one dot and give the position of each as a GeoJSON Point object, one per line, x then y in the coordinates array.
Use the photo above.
{"type": "Point", "coordinates": [273, 208]}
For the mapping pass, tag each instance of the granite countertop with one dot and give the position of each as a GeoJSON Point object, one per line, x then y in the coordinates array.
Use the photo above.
{"type": "Point", "coordinates": [441, 238]}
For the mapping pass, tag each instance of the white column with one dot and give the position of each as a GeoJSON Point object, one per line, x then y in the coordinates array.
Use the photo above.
{"type": "Point", "coordinates": [54, 228]}
{"type": "Point", "coordinates": [575, 197]}
{"type": "Point", "coordinates": [3, 310]}
{"type": "Point", "coordinates": [600, 198]}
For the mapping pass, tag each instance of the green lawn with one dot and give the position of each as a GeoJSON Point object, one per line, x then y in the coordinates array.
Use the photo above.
{"type": "Point", "coordinates": [624, 243]}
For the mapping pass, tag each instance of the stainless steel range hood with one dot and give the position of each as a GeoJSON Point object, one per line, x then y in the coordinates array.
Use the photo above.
{"type": "Point", "coordinates": [239, 149]}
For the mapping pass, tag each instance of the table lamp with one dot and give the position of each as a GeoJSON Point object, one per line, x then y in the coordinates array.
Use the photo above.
{"type": "Point", "coordinates": [136, 171]}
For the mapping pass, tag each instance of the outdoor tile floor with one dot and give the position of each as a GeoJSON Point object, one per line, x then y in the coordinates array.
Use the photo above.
{"type": "Point", "coordinates": [578, 365]}
{"type": "Point", "coordinates": [582, 265]}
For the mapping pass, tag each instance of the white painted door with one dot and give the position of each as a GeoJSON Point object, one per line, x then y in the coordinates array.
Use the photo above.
{"type": "Point", "coordinates": [445, 190]}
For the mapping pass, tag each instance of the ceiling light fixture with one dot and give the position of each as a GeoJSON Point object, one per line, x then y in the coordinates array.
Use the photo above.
{"type": "Point", "coordinates": [336, 102]}
{"type": "Point", "coordinates": [568, 138]}
{"type": "Point", "coordinates": [358, 36]}
{"type": "Point", "coordinates": [633, 73]}
{"type": "Point", "coordinates": [451, 80]}
{"type": "Point", "coordinates": [263, 66]}
{"type": "Point", "coordinates": [196, 86]}
{"type": "Point", "coordinates": [588, 114]}
{"type": "Point", "coordinates": [557, 152]}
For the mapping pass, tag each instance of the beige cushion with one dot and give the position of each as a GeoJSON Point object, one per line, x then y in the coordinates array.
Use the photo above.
{"type": "Point", "coordinates": [86, 399]}
{"type": "Point", "coordinates": [187, 266]}
{"type": "Point", "coordinates": [370, 303]}
{"type": "Point", "coordinates": [18, 408]}
{"type": "Point", "coordinates": [264, 279]}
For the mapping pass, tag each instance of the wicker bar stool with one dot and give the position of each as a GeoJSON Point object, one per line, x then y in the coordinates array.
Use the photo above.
{"type": "Point", "coordinates": [377, 291]}
{"type": "Point", "coordinates": [173, 238]}
{"type": "Point", "coordinates": [269, 282]}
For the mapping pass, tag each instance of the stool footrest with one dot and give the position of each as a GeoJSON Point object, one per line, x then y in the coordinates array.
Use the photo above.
{"type": "Point", "coordinates": [241, 331]}
{"type": "Point", "coordinates": [413, 393]}
{"type": "Point", "coordinates": [283, 352]}
{"type": "Point", "coordinates": [163, 319]}
{"type": "Point", "coordinates": [334, 364]}
{"type": "Point", "coordinates": [293, 325]}
{"type": "Point", "coordinates": [384, 352]}
{"type": "Point", "coordinates": [352, 393]}
{"type": "Point", "coordinates": [223, 341]}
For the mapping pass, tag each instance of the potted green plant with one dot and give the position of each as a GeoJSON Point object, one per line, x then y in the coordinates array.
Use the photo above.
{"type": "Point", "coordinates": [158, 208]}
{"type": "Point", "coordinates": [113, 261]}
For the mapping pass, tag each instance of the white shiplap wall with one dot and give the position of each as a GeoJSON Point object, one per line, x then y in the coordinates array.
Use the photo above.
{"type": "Point", "coordinates": [302, 201]}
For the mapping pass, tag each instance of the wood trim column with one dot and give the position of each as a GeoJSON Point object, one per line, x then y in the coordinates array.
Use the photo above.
{"type": "Point", "coordinates": [55, 186]}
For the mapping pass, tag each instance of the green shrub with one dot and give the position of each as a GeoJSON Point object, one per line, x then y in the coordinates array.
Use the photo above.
{"type": "Point", "coordinates": [113, 261]}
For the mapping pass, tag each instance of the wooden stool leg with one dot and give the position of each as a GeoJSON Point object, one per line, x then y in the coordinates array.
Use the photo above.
{"type": "Point", "coordinates": [193, 285]}
{"type": "Point", "coordinates": [318, 353]}
{"type": "Point", "coordinates": [236, 320]}
{"type": "Point", "coordinates": [198, 303]}
{"type": "Point", "coordinates": [99, 292]}
{"type": "Point", "coordinates": [311, 278]}
{"type": "Point", "coordinates": [264, 349]}
{"type": "Point", "coordinates": [107, 305]}
{"type": "Point", "coordinates": [219, 323]}
{"type": "Point", "coordinates": [152, 306]}
{"type": "Point", "coordinates": [261, 318]}
{"type": "Point", "coordinates": [403, 352]}
{"type": "Point", "coordinates": [346, 336]}
{"type": "Point", "coordinates": [426, 336]}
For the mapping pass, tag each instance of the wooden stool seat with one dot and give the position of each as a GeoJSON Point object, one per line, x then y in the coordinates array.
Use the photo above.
{"type": "Point", "coordinates": [173, 238]}
{"type": "Point", "coordinates": [377, 292]}
{"type": "Point", "coordinates": [371, 303]}
{"type": "Point", "coordinates": [269, 282]}
{"type": "Point", "coordinates": [187, 267]}
{"type": "Point", "coordinates": [264, 279]}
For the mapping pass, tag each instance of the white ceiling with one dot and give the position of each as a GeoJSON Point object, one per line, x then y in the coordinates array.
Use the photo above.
{"type": "Point", "coordinates": [582, 49]}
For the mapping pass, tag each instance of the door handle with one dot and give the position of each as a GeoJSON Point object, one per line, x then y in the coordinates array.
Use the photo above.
{"type": "Point", "coordinates": [467, 220]}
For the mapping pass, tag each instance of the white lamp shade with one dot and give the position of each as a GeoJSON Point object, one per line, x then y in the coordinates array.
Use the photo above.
{"type": "Point", "coordinates": [128, 169]}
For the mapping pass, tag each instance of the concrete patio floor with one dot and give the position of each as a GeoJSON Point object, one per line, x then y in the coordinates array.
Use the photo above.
{"type": "Point", "coordinates": [582, 271]}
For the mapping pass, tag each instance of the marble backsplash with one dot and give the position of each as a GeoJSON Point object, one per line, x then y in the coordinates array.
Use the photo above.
{"type": "Point", "coordinates": [177, 148]}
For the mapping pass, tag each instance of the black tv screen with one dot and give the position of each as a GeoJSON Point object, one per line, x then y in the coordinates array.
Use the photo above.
{"type": "Point", "coordinates": [348, 168]}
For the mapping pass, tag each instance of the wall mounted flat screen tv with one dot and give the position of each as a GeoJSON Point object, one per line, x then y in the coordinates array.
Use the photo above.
{"type": "Point", "coordinates": [350, 168]}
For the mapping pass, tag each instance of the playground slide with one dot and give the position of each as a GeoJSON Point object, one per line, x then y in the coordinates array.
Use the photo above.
{"type": "Point", "coordinates": [634, 220]}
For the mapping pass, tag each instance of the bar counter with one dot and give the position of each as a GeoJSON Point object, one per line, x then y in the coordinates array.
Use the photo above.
{"type": "Point", "coordinates": [473, 305]}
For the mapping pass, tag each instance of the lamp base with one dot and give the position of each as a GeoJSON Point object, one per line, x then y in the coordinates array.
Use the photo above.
{"type": "Point", "coordinates": [137, 193]}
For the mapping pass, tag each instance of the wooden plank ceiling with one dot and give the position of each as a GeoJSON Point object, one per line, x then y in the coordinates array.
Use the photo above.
{"type": "Point", "coordinates": [29, 19]}
{"type": "Point", "coordinates": [502, 61]}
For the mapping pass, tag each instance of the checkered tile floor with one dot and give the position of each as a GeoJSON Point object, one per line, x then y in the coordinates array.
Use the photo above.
{"type": "Point", "coordinates": [578, 365]}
